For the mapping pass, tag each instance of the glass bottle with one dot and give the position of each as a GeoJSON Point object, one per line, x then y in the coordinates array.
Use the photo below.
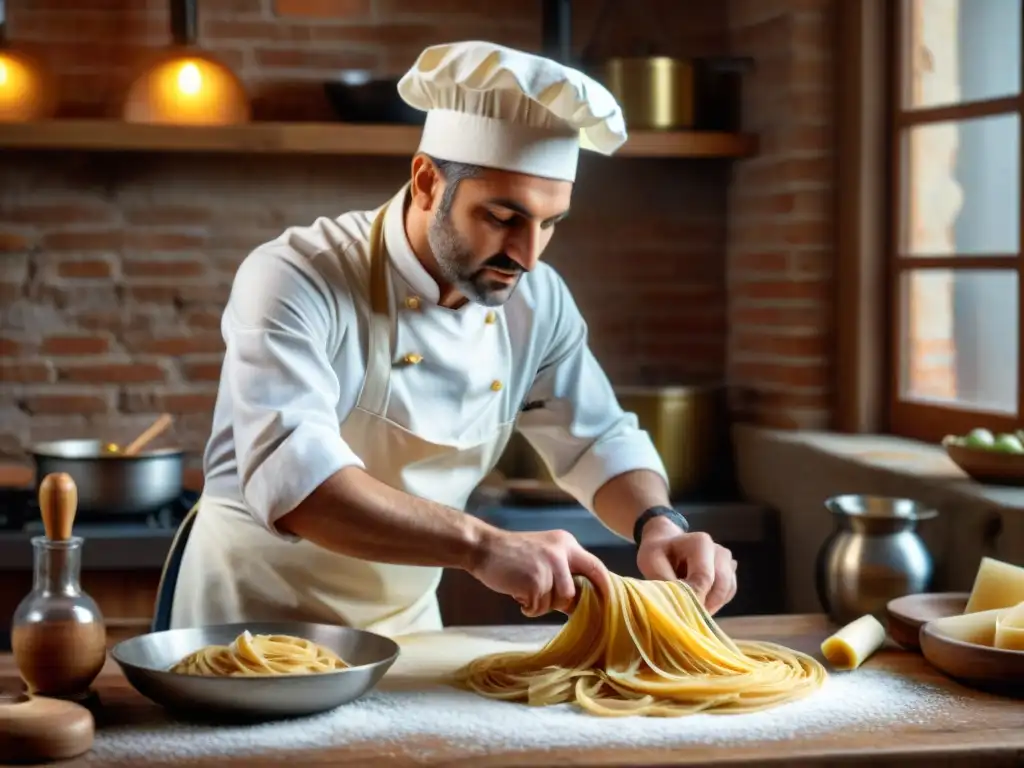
{"type": "Point", "coordinates": [58, 635]}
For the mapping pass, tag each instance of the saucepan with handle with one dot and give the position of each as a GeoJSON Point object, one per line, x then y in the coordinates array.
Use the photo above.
{"type": "Point", "coordinates": [113, 480]}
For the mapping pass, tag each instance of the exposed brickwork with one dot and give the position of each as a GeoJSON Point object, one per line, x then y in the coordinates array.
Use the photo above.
{"type": "Point", "coordinates": [780, 216]}
{"type": "Point", "coordinates": [114, 270]}
{"type": "Point", "coordinates": [285, 49]}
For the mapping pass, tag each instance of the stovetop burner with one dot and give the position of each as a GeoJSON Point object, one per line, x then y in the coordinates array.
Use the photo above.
{"type": "Point", "coordinates": [19, 511]}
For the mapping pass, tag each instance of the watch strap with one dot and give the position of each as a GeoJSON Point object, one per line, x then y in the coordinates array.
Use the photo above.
{"type": "Point", "coordinates": [658, 511]}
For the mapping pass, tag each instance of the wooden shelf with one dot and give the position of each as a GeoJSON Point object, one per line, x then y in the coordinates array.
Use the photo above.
{"type": "Point", "coordinates": [312, 138]}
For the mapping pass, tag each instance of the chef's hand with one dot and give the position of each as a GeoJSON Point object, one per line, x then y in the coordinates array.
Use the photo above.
{"type": "Point", "coordinates": [667, 553]}
{"type": "Point", "coordinates": [537, 569]}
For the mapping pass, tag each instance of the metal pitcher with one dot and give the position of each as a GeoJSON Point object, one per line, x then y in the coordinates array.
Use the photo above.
{"type": "Point", "coordinates": [872, 555]}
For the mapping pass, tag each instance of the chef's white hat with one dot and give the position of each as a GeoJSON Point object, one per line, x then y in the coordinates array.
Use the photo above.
{"type": "Point", "coordinates": [493, 106]}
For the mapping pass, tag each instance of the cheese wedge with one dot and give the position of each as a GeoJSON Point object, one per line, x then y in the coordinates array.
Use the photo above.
{"type": "Point", "coordinates": [996, 585]}
{"type": "Point", "coordinates": [1009, 634]}
{"type": "Point", "coordinates": [977, 628]}
{"type": "Point", "coordinates": [852, 645]}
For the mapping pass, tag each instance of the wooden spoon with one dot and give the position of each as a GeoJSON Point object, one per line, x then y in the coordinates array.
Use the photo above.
{"type": "Point", "coordinates": [152, 432]}
{"type": "Point", "coordinates": [36, 728]}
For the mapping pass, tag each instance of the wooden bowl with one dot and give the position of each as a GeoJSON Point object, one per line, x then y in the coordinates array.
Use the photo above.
{"type": "Point", "coordinates": [906, 615]}
{"type": "Point", "coordinates": [964, 656]}
{"type": "Point", "coordinates": [992, 467]}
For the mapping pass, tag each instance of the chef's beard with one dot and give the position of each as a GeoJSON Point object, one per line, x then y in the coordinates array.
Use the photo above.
{"type": "Point", "coordinates": [455, 259]}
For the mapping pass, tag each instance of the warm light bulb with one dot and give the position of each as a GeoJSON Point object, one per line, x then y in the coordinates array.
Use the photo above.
{"type": "Point", "coordinates": [25, 92]}
{"type": "Point", "coordinates": [186, 90]}
{"type": "Point", "coordinates": [190, 79]}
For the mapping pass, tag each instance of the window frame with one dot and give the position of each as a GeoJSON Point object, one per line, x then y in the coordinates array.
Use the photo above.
{"type": "Point", "coordinates": [914, 418]}
{"type": "Point", "coordinates": [861, 323]}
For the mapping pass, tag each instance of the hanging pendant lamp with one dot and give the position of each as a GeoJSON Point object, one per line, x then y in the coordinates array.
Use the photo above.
{"type": "Point", "coordinates": [27, 89]}
{"type": "Point", "coordinates": [185, 85]}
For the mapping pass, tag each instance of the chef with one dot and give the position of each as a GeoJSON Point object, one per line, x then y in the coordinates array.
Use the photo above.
{"type": "Point", "coordinates": [377, 363]}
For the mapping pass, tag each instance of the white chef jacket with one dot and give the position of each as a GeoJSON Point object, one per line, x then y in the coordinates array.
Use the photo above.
{"type": "Point", "coordinates": [296, 338]}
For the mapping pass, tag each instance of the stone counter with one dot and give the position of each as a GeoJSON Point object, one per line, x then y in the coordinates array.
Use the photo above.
{"type": "Point", "coordinates": [795, 472]}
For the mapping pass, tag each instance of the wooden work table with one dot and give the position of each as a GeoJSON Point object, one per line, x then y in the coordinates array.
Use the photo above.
{"type": "Point", "coordinates": [981, 729]}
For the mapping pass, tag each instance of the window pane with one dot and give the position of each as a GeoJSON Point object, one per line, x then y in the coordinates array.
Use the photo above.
{"type": "Point", "coordinates": [959, 338]}
{"type": "Point", "coordinates": [961, 50]}
{"type": "Point", "coordinates": [962, 187]}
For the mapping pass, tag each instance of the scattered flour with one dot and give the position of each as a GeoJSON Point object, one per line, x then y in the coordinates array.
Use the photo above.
{"type": "Point", "coordinates": [865, 700]}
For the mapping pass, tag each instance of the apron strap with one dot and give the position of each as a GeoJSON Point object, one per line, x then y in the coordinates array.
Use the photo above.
{"type": "Point", "coordinates": [376, 384]}
{"type": "Point", "coordinates": [169, 576]}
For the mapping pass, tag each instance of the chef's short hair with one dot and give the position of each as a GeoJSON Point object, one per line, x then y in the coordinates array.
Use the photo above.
{"type": "Point", "coordinates": [453, 173]}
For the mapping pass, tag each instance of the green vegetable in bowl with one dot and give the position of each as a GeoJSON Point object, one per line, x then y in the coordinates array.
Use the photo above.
{"type": "Point", "coordinates": [983, 440]}
{"type": "Point", "coordinates": [979, 438]}
{"type": "Point", "coordinates": [1008, 444]}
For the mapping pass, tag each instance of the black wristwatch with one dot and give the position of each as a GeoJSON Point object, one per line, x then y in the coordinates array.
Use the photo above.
{"type": "Point", "coordinates": [653, 512]}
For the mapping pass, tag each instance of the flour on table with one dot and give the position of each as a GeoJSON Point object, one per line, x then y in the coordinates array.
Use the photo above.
{"type": "Point", "coordinates": [864, 700]}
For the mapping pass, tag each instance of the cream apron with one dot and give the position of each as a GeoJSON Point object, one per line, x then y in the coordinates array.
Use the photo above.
{"type": "Point", "coordinates": [234, 570]}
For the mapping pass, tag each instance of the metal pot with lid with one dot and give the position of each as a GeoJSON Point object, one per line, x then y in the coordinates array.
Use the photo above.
{"type": "Point", "coordinates": [115, 481]}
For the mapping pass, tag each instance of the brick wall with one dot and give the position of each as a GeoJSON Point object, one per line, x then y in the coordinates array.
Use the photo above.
{"type": "Point", "coordinates": [114, 269]}
{"type": "Point", "coordinates": [780, 219]}
{"type": "Point", "coordinates": [285, 49]}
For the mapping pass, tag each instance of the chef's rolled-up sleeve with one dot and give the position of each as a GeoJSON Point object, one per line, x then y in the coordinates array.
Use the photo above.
{"type": "Point", "coordinates": [578, 427]}
{"type": "Point", "coordinates": [279, 326]}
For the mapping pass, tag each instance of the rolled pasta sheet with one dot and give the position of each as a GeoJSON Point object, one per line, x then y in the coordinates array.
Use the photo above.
{"type": "Point", "coordinates": [852, 645]}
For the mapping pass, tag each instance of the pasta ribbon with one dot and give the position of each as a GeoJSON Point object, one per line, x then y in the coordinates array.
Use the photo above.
{"type": "Point", "coordinates": [250, 655]}
{"type": "Point", "coordinates": [650, 648]}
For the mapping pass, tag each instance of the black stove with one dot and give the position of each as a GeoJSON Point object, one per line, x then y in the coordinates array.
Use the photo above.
{"type": "Point", "coordinates": [19, 511]}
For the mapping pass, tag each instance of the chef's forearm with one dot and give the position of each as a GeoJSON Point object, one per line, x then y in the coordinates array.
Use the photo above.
{"type": "Point", "coordinates": [355, 514]}
{"type": "Point", "coordinates": [625, 497]}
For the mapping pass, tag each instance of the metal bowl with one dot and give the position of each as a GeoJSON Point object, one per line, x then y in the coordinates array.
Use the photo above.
{"type": "Point", "coordinates": [146, 659]}
{"type": "Point", "coordinates": [110, 483]}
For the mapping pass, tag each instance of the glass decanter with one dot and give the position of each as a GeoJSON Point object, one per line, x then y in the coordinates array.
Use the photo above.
{"type": "Point", "coordinates": [58, 635]}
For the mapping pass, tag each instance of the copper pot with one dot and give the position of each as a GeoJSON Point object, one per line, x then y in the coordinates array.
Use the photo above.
{"type": "Point", "coordinates": [661, 93]}
{"type": "Point", "coordinates": [655, 92]}
{"type": "Point", "coordinates": [689, 428]}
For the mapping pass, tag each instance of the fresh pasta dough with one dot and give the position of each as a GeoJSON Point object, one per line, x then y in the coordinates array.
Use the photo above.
{"type": "Point", "coordinates": [252, 655]}
{"type": "Point", "coordinates": [649, 649]}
